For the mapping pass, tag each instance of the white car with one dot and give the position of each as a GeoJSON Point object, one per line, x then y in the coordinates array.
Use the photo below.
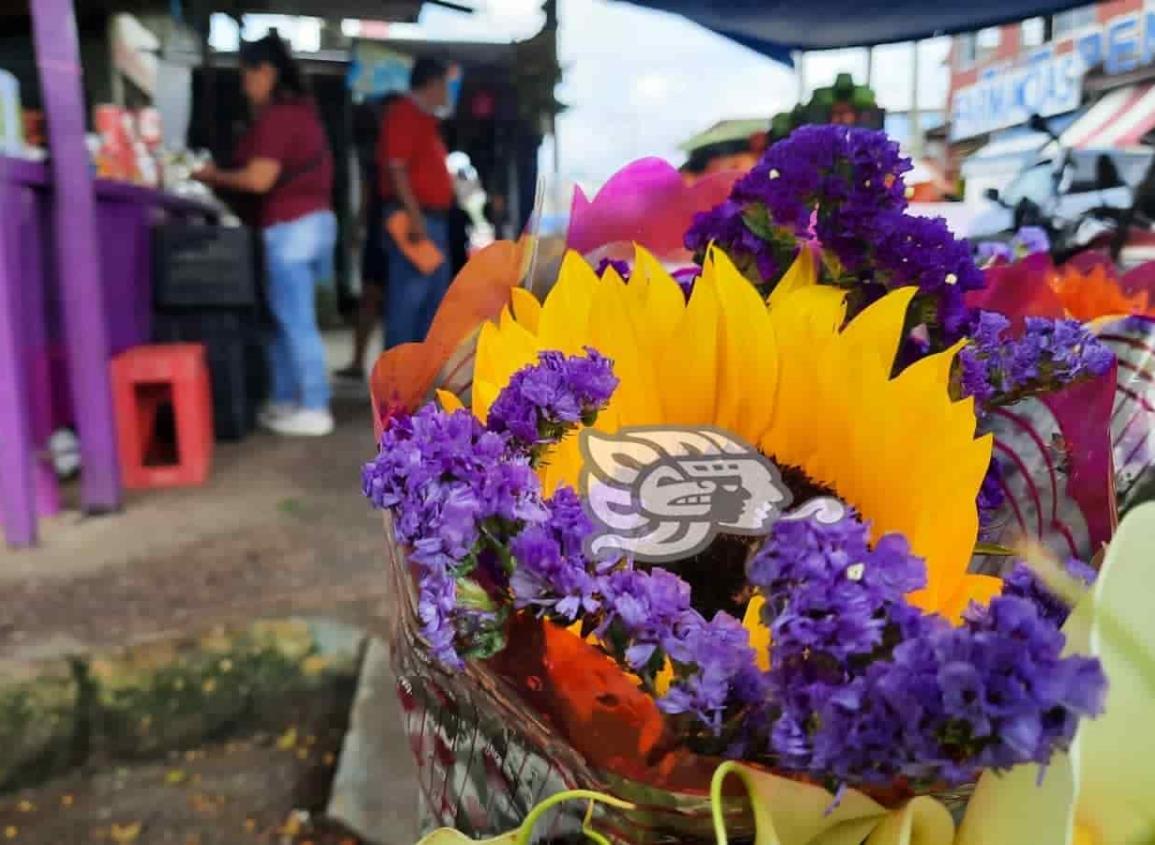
{"type": "Point", "coordinates": [1063, 190]}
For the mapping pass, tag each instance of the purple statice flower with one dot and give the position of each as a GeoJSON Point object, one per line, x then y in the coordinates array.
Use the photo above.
{"type": "Point", "coordinates": [1030, 695]}
{"type": "Point", "coordinates": [998, 369]}
{"type": "Point", "coordinates": [1030, 240]}
{"type": "Point", "coordinates": [1022, 582]}
{"type": "Point", "coordinates": [990, 497]}
{"type": "Point", "coordinates": [543, 401]}
{"type": "Point", "coordinates": [866, 689]}
{"type": "Point", "coordinates": [849, 172]}
{"type": "Point", "coordinates": [726, 225]}
{"type": "Point", "coordinates": [921, 252]}
{"type": "Point", "coordinates": [717, 670]}
{"type": "Point", "coordinates": [647, 617]}
{"type": "Point", "coordinates": [992, 252]}
{"type": "Point", "coordinates": [686, 277]}
{"type": "Point", "coordinates": [622, 268]}
{"type": "Point", "coordinates": [445, 477]}
{"type": "Point", "coordinates": [642, 609]}
{"type": "Point", "coordinates": [832, 604]}
{"type": "Point", "coordinates": [949, 702]}
{"type": "Point", "coordinates": [835, 182]}
{"type": "Point", "coordinates": [827, 591]}
{"type": "Point", "coordinates": [551, 573]}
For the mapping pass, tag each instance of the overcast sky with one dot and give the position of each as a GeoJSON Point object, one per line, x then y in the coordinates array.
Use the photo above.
{"type": "Point", "coordinates": [639, 82]}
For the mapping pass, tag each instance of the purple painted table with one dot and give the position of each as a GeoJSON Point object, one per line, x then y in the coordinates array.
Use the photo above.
{"type": "Point", "coordinates": [34, 391]}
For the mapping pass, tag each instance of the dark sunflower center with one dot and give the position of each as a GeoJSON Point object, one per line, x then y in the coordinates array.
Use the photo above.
{"type": "Point", "coordinates": [717, 575]}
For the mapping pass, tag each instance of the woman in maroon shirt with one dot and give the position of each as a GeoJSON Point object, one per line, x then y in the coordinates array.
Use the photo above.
{"type": "Point", "coordinates": [285, 160]}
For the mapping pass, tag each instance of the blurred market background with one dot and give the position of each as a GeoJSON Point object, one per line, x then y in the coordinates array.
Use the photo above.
{"type": "Point", "coordinates": [189, 640]}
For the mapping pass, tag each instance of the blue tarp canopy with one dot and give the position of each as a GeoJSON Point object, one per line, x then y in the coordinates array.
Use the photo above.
{"type": "Point", "coordinates": [777, 28]}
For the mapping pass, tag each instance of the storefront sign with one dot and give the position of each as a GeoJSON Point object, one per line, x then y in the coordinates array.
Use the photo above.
{"type": "Point", "coordinates": [1123, 44]}
{"type": "Point", "coordinates": [376, 70]}
{"type": "Point", "coordinates": [1046, 84]}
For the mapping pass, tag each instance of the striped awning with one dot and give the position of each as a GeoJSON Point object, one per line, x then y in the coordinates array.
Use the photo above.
{"type": "Point", "coordinates": [1118, 120]}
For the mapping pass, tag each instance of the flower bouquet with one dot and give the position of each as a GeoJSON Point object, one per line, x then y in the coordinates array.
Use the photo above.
{"type": "Point", "coordinates": [645, 525]}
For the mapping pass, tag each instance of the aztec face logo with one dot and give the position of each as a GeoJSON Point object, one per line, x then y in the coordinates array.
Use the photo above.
{"type": "Point", "coordinates": [663, 494]}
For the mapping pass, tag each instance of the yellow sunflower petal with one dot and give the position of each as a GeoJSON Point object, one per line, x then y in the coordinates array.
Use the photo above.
{"type": "Point", "coordinates": [565, 315]}
{"type": "Point", "coordinates": [688, 370]}
{"type": "Point", "coordinates": [802, 273]}
{"type": "Point", "coordinates": [449, 401]}
{"type": "Point", "coordinates": [526, 308]}
{"type": "Point", "coordinates": [747, 353]}
{"type": "Point", "coordinates": [663, 304]}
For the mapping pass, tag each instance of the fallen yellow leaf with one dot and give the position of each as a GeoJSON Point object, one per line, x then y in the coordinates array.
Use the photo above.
{"type": "Point", "coordinates": [292, 825]}
{"type": "Point", "coordinates": [125, 834]}
{"type": "Point", "coordinates": [287, 740]}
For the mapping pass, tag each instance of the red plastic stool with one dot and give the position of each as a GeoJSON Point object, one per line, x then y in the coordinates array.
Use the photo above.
{"type": "Point", "coordinates": [146, 380]}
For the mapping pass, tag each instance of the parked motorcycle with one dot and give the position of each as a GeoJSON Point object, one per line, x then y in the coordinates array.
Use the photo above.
{"type": "Point", "coordinates": [1082, 201]}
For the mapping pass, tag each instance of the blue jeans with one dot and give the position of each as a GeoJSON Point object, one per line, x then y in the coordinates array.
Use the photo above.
{"type": "Point", "coordinates": [298, 255]}
{"type": "Point", "coordinates": [412, 299]}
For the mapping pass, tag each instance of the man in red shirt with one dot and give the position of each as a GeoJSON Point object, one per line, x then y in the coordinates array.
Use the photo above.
{"type": "Point", "coordinates": [415, 178]}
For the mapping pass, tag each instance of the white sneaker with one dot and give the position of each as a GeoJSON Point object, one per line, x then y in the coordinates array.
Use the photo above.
{"type": "Point", "coordinates": [271, 410]}
{"type": "Point", "coordinates": [303, 422]}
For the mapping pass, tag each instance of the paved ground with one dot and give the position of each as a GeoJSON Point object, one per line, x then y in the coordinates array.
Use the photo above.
{"type": "Point", "coordinates": [281, 529]}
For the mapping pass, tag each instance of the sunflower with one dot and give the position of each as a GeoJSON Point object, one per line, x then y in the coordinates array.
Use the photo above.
{"type": "Point", "coordinates": [784, 375]}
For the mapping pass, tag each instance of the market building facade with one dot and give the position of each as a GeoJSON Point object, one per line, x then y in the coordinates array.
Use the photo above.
{"type": "Point", "coordinates": [1090, 71]}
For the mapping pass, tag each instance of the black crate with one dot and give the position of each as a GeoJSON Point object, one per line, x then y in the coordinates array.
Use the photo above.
{"type": "Point", "coordinates": [197, 265]}
{"type": "Point", "coordinates": [233, 347]}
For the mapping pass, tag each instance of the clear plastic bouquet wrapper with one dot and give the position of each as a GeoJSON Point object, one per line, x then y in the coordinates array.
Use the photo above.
{"type": "Point", "coordinates": [737, 508]}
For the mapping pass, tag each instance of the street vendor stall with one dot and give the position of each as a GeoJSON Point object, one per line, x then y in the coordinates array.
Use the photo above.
{"type": "Point", "coordinates": [47, 392]}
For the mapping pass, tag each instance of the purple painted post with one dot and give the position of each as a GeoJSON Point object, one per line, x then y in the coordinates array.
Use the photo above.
{"type": "Point", "coordinates": [17, 484]}
{"type": "Point", "coordinates": [77, 256]}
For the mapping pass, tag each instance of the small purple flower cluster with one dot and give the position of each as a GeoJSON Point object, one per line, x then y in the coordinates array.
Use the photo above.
{"type": "Point", "coordinates": [991, 497]}
{"type": "Point", "coordinates": [622, 268]}
{"type": "Point", "coordinates": [868, 690]}
{"type": "Point", "coordinates": [833, 178]}
{"type": "Point", "coordinates": [1029, 240]}
{"type": "Point", "coordinates": [1025, 584]}
{"type": "Point", "coordinates": [994, 252]}
{"type": "Point", "coordinates": [849, 175]}
{"type": "Point", "coordinates": [684, 276]}
{"type": "Point", "coordinates": [844, 187]}
{"type": "Point", "coordinates": [998, 369]}
{"type": "Point", "coordinates": [755, 248]}
{"type": "Point", "coordinates": [922, 252]}
{"type": "Point", "coordinates": [990, 694]}
{"type": "Point", "coordinates": [641, 618]}
{"type": "Point", "coordinates": [455, 485]}
{"type": "Point", "coordinates": [545, 400]}
{"type": "Point", "coordinates": [551, 574]}
{"type": "Point", "coordinates": [443, 475]}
